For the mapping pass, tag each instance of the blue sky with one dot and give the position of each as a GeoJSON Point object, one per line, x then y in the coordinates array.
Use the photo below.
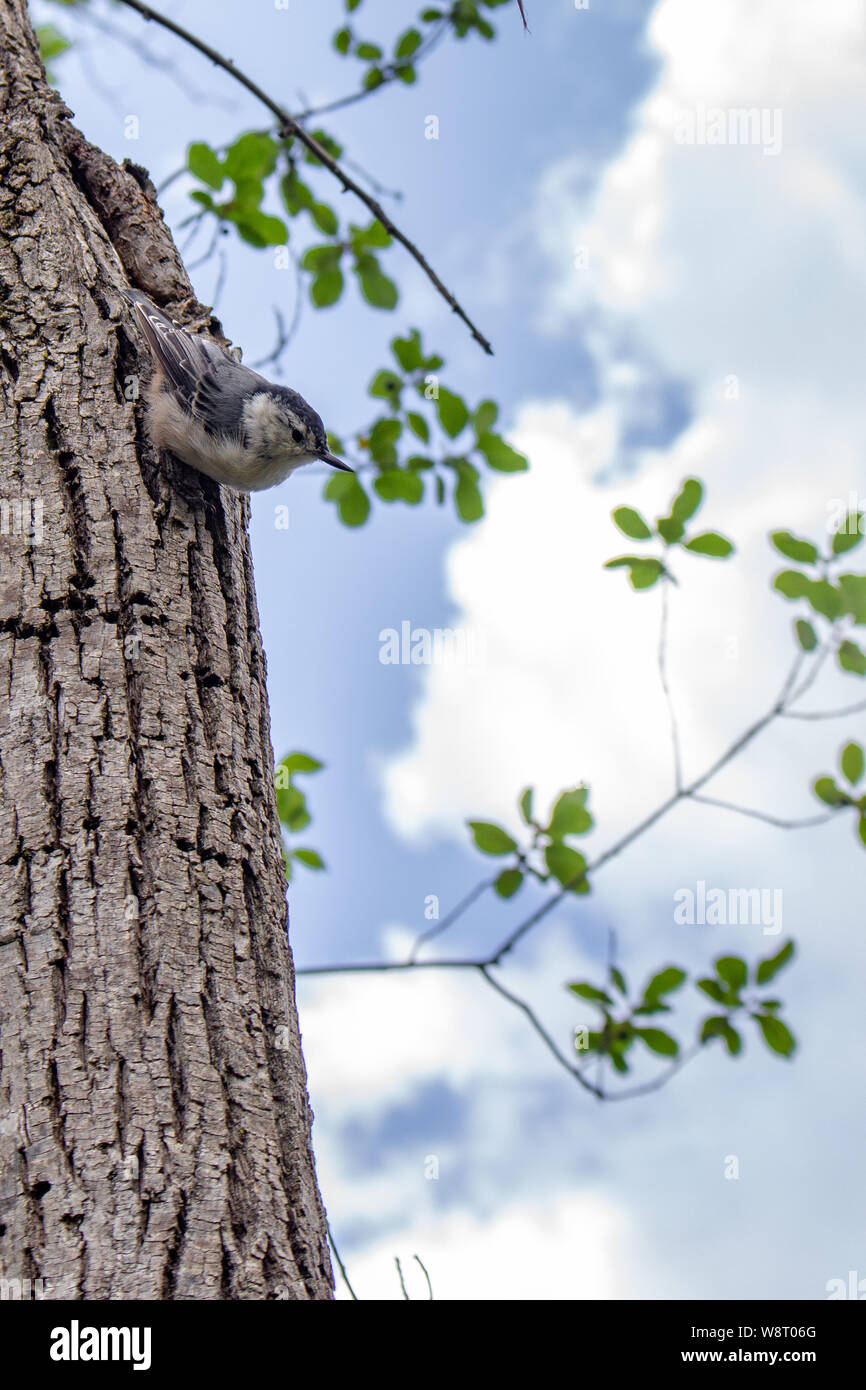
{"type": "Point", "coordinates": [705, 266]}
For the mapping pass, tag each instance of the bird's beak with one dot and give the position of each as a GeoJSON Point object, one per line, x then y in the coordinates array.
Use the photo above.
{"type": "Point", "coordinates": [336, 463]}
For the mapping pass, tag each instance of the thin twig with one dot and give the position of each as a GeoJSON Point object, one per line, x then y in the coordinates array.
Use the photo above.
{"type": "Point", "coordinates": [663, 673]}
{"type": "Point", "coordinates": [153, 60]}
{"type": "Point", "coordinates": [289, 126]}
{"type": "Point", "coordinates": [825, 713]}
{"type": "Point", "coordinates": [402, 1280]}
{"type": "Point", "coordinates": [762, 815]}
{"type": "Point", "coordinates": [654, 816]}
{"type": "Point", "coordinates": [452, 916]}
{"type": "Point", "coordinates": [426, 1275]}
{"type": "Point", "coordinates": [340, 1264]}
{"type": "Point", "coordinates": [389, 74]}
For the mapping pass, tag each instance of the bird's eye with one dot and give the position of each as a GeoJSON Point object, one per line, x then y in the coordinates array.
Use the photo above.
{"type": "Point", "coordinates": [297, 435]}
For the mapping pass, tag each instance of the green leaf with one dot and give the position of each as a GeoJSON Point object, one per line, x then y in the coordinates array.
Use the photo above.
{"type": "Point", "coordinates": [525, 805]}
{"type": "Point", "coordinates": [658, 1041]}
{"type": "Point", "coordinates": [325, 218]}
{"type": "Point", "coordinates": [491, 839]}
{"type": "Point", "coordinates": [259, 229]}
{"type": "Point", "coordinates": [643, 572]}
{"type": "Point", "coordinates": [386, 385]}
{"type": "Point", "coordinates": [328, 144]}
{"type": "Point", "coordinates": [618, 979]}
{"type": "Point", "coordinates": [850, 533]}
{"type": "Point", "coordinates": [500, 455]}
{"type": "Point", "coordinates": [806, 635]}
{"type": "Point", "coordinates": [205, 164]}
{"type": "Point", "coordinates": [310, 857]}
{"type": "Point", "coordinates": [670, 529]}
{"type": "Point", "coordinates": [852, 658]}
{"type": "Point", "coordinates": [485, 417]}
{"type": "Point", "coordinates": [792, 583]}
{"type": "Point", "coordinates": [596, 996]}
{"type": "Point", "coordinates": [631, 523]}
{"type": "Point", "coordinates": [827, 791]}
{"type": "Point", "coordinates": [508, 882]}
{"type": "Point", "coordinates": [713, 989]}
{"type": "Point", "coordinates": [861, 827]}
{"type": "Point", "coordinates": [408, 351]}
{"type": "Point", "coordinates": [826, 599]}
{"type": "Point", "coordinates": [292, 808]}
{"type": "Point", "coordinates": [368, 51]}
{"type": "Point", "coordinates": [399, 485]}
{"type": "Point", "coordinates": [468, 500]}
{"type": "Point", "coordinates": [326, 288]}
{"type": "Point", "coordinates": [710, 543]}
{"type": "Point", "coordinates": [853, 589]}
{"type": "Point", "coordinates": [300, 762]}
{"type": "Point", "coordinates": [803, 552]}
{"type": "Point", "coordinates": [342, 40]}
{"type": "Point", "coordinates": [776, 1035]}
{"type": "Point", "coordinates": [570, 816]}
{"type": "Point", "coordinates": [373, 235]}
{"type": "Point", "coordinates": [718, 1026]}
{"type": "Point", "coordinates": [418, 425]}
{"type": "Point", "coordinates": [452, 412]}
{"type": "Point", "coordinates": [376, 288]}
{"type": "Point", "coordinates": [664, 982]}
{"type": "Point", "coordinates": [319, 258]}
{"type": "Point", "coordinates": [687, 501]}
{"type": "Point", "coordinates": [733, 971]}
{"type": "Point", "coordinates": [407, 44]}
{"type": "Point", "coordinates": [253, 155]}
{"type": "Point", "coordinates": [852, 762]}
{"type": "Point", "coordinates": [566, 865]}
{"type": "Point", "coordinates": [773, 964]}
{"type": "Point", "coordinates": [51, 45]}
{"type": "Point", "coordinates": [353, 504]}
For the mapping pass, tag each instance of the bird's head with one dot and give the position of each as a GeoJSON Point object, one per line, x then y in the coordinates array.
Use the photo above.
{"type": "Point", "coordinates": [303, 431]}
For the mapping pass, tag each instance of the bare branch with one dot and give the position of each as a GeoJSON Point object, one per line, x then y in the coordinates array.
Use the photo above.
{"type": "Point", "coordinates": [289, 126]}
{"type": "Point", "coordinates": [419, 1261]}
{"type": "Point", "coordinates": [340, 1264]}
{"type": "Point", "coordinates": [825, 713]}
{"type": "Point", "coordinates": [663, 673]}
{"type": "Point", "coordinates": [452, 917]}
{"type": "Point", "coordinates": [762, 815]}
{"type": "Point", "coordinates": [390, 73]}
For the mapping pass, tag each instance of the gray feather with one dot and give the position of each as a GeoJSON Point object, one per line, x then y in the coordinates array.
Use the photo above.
{"type": "Point", "coordinates": [209, 383]}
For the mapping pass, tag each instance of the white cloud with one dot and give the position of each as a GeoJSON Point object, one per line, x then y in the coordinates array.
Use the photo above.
{"type": "Point", "coordinates": [576, 1244]}
{"type": "Point", "coordinates": [705, 262]}
{"type": "Point", "coordinates": [714, 263]}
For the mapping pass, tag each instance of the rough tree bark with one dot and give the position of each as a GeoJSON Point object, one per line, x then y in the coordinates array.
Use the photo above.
{"type": "Point", "coordinates": [155, 1132]}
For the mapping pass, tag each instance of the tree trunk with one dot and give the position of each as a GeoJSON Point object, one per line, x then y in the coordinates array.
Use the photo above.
{"type": "Point", "coordinates": [155, 1131]}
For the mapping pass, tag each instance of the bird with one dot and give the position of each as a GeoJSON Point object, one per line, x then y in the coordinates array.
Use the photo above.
{"type": "Point", "coordinates": [219, 416]}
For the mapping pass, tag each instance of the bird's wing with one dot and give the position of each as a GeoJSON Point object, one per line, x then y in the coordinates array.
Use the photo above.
{"type": "Point", "coordinates": [180, 355]}
{"type": "Point", "coordinates": [190, 365]}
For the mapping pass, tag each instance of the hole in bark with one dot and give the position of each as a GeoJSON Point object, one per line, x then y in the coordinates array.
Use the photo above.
{"type": "Point", "coordinates": [40, 1190]}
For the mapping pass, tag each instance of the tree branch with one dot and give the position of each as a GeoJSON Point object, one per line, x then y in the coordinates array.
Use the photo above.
{"type": "Point", "coordinates": [663, 673]}
{"type": "Point", "coordinates": [289, 126]}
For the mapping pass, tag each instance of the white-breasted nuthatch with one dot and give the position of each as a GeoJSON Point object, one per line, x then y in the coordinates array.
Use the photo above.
{"type": "Point", "coordinates": [219, 416]}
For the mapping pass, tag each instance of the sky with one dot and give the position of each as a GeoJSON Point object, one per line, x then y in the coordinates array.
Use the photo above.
{"type": "Point", "coordinates": [661, 307]}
